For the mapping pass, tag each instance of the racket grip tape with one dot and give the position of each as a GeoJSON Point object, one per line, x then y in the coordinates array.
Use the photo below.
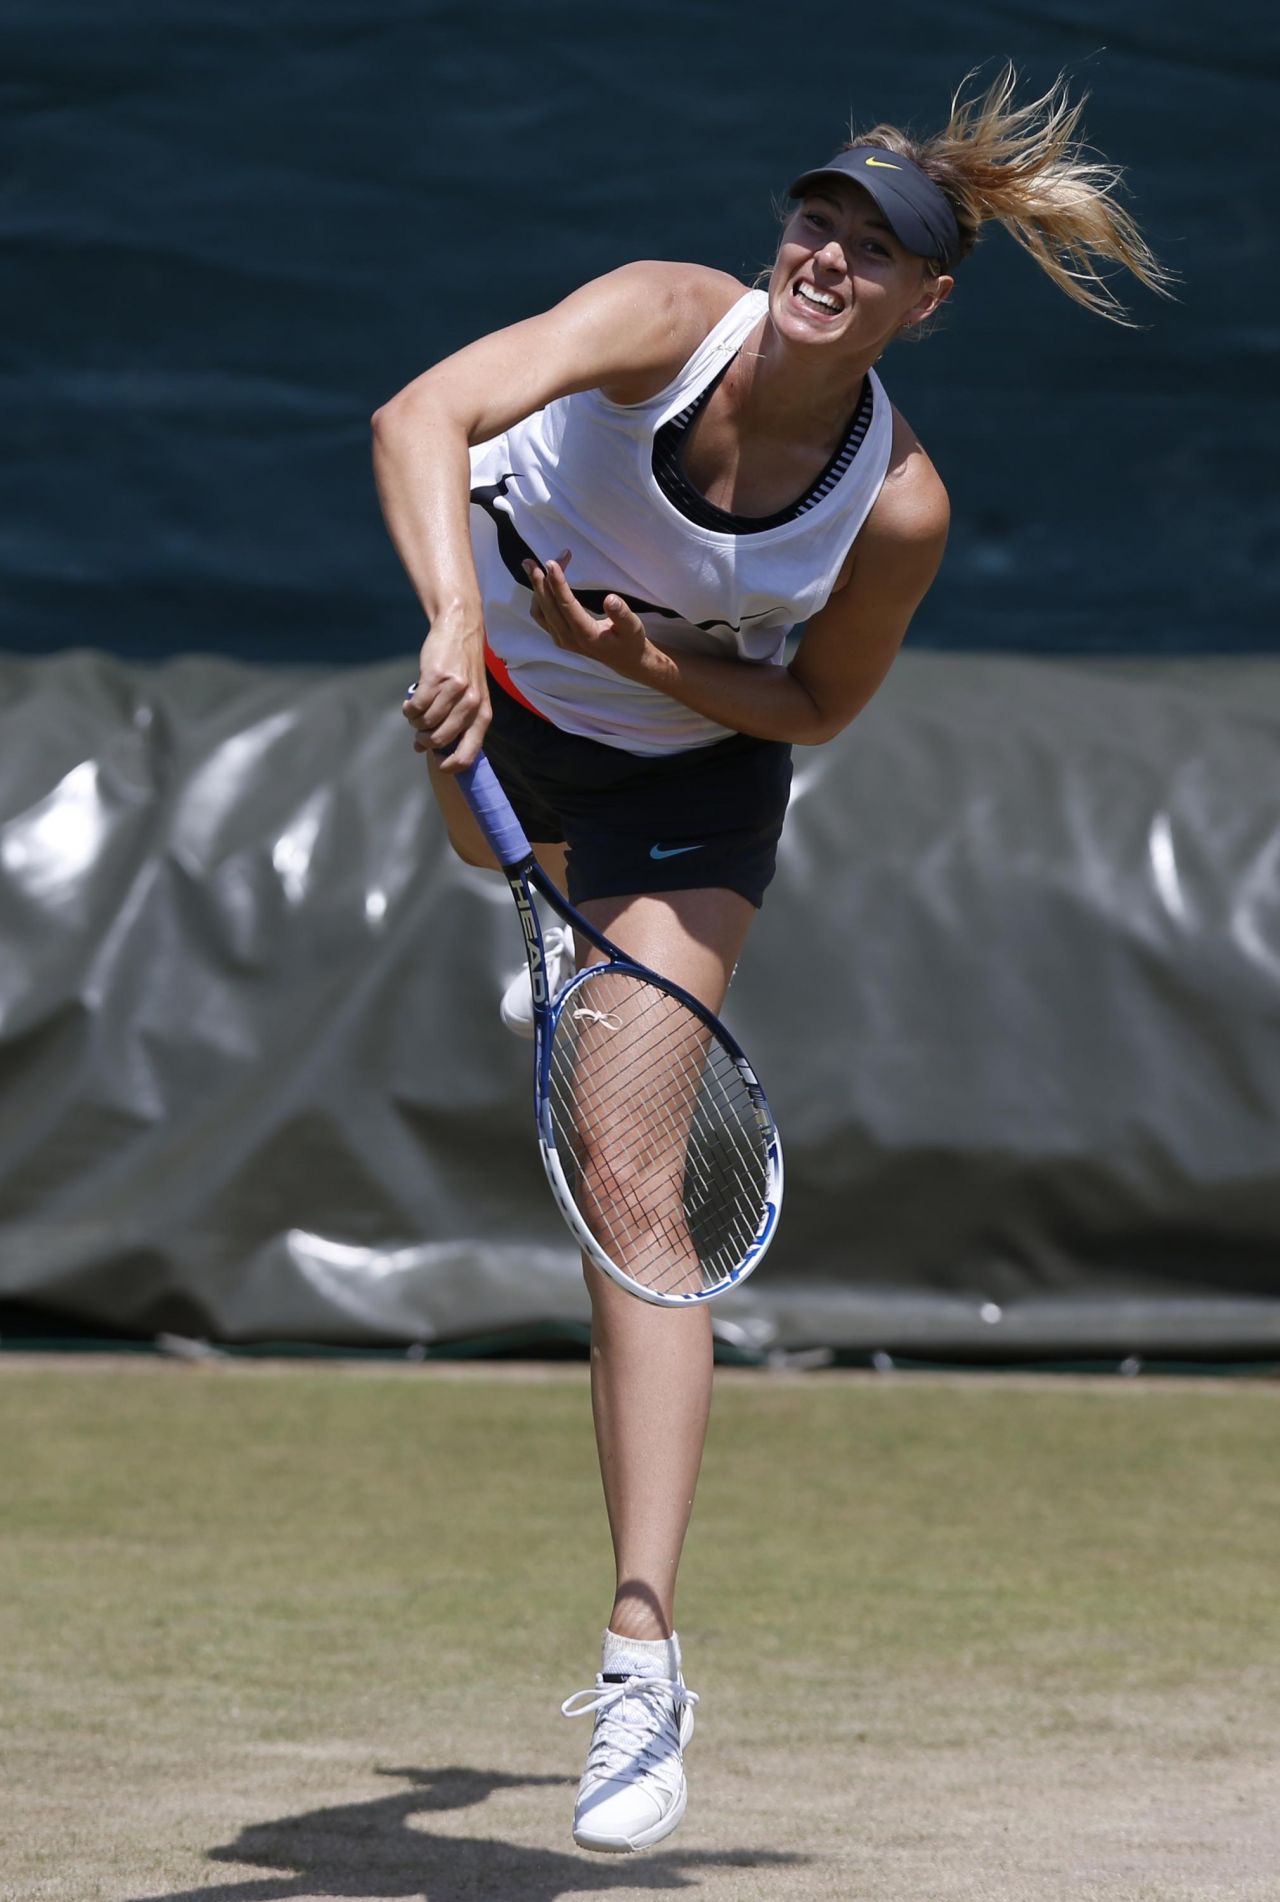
{"type": "Point", "coordinates": [502, 830]}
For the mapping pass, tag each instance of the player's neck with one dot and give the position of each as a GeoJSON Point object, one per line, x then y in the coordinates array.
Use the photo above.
{"type": "Point", "coordinates": [779, 389]}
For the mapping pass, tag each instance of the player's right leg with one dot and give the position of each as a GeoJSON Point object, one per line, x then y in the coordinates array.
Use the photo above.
{"type": "Point", "coordinates": [651, 1374]}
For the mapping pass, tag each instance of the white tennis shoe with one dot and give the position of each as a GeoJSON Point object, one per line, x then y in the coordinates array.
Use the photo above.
{"type": "Point", "coordinates": [632, 1792]}
{"type": "Point", "coordinates": [517, 1000]}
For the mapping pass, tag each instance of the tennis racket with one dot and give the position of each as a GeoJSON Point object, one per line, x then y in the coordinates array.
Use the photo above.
{"type": "Point", "coordinates": [657, 1141]}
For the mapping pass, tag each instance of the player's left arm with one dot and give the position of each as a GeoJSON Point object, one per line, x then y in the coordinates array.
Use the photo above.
{"type": "Point", "coordinates": [850, 644]}
{"type": "Point", "coordinates": [847, 648]}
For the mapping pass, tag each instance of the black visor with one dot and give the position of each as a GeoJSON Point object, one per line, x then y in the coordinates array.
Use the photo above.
{"type": "Point", "coordinates": [918, 212]}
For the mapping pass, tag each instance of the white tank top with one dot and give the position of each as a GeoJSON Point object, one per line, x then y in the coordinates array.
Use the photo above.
{"type": "Point", "coordinates": [579, 475]}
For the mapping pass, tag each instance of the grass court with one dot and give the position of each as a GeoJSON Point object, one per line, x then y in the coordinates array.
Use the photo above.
{"type": "Point", "coordinates": [298, 1632]}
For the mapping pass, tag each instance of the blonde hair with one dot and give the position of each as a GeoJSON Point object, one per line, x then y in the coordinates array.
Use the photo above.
{"type": "Point", "coordinates": [1022, 167]}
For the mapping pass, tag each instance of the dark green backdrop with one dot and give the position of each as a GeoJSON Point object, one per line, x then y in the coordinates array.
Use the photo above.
{"type": "Point", "coordinates": [232, 228]}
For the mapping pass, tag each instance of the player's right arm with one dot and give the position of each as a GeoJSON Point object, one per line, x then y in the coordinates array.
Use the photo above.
{"type": "Point", "coordinates": [627, 334]}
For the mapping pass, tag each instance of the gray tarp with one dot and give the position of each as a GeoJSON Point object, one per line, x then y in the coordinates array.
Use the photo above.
{"type": "Point", "coordinates": [1015, 996]}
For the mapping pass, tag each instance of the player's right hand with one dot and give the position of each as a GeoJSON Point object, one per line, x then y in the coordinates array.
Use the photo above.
{"type": "Point", "coordinates": [448, 704]}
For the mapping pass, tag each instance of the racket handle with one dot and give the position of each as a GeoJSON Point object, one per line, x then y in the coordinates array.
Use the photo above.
{"type": "Point", "coordinates": [492, 808]}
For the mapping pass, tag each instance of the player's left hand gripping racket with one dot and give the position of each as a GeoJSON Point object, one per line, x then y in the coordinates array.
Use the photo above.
{"type": "Point", "coordinates": [655, 1134]}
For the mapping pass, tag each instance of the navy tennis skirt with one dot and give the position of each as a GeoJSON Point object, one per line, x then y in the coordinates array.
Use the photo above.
{"type": "Point", "coordinates": [710, 817]}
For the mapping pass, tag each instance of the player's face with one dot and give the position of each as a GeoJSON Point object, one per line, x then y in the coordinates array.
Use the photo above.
{"type": "Point", "coordinates": [841, 278]}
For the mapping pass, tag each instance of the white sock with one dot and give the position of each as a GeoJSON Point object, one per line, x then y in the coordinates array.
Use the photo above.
{"type": "Point", "coordinates": [640, 1657]}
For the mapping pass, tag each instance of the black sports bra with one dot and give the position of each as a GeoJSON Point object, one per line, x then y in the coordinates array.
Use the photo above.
{"type": "Point", "coordinates": [668, 469]}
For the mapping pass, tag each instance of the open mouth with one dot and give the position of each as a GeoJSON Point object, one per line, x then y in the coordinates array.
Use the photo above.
{"type": "Point", "coordinates": [819, 303]}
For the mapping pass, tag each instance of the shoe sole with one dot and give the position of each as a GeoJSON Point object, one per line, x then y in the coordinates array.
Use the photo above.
{"type": "Point", "coordinates": [625, 1846]}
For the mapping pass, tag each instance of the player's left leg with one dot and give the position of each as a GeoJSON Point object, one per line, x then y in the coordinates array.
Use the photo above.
{"type": "Point", "coordinates": [466, 837]}
{"type": "Point", "coordinates": [472, 848]}
{"type": "Point", "coordinates": [651, 1372]}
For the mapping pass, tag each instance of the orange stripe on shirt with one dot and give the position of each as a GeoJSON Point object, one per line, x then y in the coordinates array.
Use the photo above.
{"type": "Point", "coordinates": [501, 673]}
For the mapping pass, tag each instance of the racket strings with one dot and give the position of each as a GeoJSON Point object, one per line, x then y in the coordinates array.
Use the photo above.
{"type": "Point", "coordinates": [660, 1139]}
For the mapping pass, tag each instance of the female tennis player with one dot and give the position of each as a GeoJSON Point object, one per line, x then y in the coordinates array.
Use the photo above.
{"type": "Point", "coordinates": [613, 514]}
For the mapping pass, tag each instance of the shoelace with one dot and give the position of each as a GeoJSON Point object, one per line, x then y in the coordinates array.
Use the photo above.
{"type": "Point", "coordinates": [583, 1014]}
{"type": "Point", "coordinates": [637, 1723]}
{"type": "Point", "coordinates": [557, 942]}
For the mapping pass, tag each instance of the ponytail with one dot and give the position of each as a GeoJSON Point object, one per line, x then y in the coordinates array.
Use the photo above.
{"type": "Point", "coordinates": [1021, 167]}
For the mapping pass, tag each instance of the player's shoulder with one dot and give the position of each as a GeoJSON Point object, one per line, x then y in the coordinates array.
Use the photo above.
{"type": "Point", "coordinates": [695, 290]}
{"type": "Point", "coordinates": [666, 309]}
{"type": "Point", "coordinates": [912, 505]}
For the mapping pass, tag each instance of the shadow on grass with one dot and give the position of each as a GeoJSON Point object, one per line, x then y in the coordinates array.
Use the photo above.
{"type": "Point", "coordinates": [357, 1850]}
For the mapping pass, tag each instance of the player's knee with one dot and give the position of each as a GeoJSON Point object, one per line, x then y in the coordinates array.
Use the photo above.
{"type": "Point", "coordinates": [472, 852]}
{"type": "Point", "coordinates": [630, 1195]}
